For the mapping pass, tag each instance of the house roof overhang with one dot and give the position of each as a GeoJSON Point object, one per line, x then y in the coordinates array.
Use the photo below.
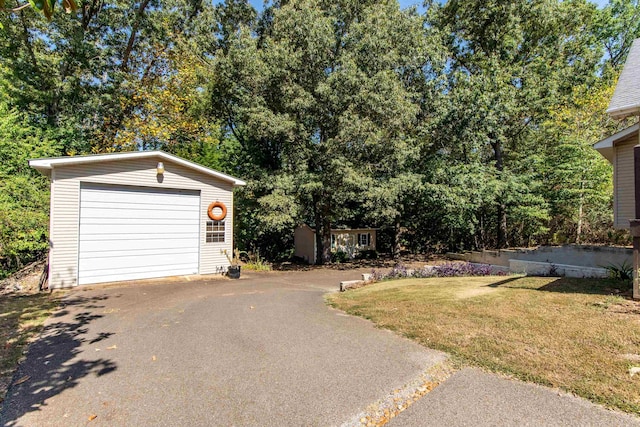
{"type": "Point", "coordinates": [606, 146]}
{"type": "Point", "coordinates": [626, 97]}
{"type": "Point", "coordinates": [45, 166]}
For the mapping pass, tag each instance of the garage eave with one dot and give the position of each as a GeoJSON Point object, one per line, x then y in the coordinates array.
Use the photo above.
{"type": "Point", "coordinates": [46, 165]}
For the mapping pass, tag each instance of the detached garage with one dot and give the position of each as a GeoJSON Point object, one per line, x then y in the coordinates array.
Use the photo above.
{"type": "Point", "coordinates": [138, 215]}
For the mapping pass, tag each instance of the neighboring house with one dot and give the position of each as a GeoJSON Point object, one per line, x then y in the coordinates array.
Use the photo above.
{"type": "Point", "coordinates": [137, 215]}
{"type": "Point", "coordinates": [349, 241]}
{"type": "Point", "coordinates": [618, 148]}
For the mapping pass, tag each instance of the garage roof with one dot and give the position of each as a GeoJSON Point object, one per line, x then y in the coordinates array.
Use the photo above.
{"type": "Point", "coordinates": [45, 165]}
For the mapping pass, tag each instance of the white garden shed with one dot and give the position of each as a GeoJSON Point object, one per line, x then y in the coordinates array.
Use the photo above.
{"type": "Point", "coordinates": [136, 215]}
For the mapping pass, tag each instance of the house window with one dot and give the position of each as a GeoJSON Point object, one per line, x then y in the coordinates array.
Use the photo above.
{"type": "Point", "coordinates": [364, 239]}
{"type": "Point", "coordinates": [215, 232]}
{"type": "Point", "coordinates": [333, 241]}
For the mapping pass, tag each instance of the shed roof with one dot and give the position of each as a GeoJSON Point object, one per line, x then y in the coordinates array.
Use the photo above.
{"type": "Point", "coordinates": [339, 230]}
{"type": "Point", "coordinates": [605, 147]}
{"type": "Point", "coordinates": [45, 165]}
{"type": "Point", "coordinates": [626, 97]}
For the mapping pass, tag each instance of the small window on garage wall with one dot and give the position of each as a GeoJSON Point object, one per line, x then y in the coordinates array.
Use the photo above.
{"type": "Point", "coordinates": [215, 232]}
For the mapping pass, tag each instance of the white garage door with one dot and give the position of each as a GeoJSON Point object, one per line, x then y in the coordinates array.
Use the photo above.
{"type": "Point", "coordinates": [129, 233]}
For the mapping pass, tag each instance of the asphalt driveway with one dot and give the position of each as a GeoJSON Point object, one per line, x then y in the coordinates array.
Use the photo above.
{"type": "Point", "coordinates": [263, 350]}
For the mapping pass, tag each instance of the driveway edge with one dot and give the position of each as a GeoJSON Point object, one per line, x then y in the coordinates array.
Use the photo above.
{"type": "Point", "coordinates": [382, 411]}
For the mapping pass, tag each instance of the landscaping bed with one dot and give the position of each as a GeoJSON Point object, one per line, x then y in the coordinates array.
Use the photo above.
{"type": "Point", "coordinates": [580, 335]}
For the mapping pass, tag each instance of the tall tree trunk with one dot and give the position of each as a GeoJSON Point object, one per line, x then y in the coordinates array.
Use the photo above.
{"type": "Point", "coordinates": [502, 226]}
{"type": "Point", "coordinates": [326, 239]}
{"type": "Point", "coordinates": [483, 231]}
{"type": "Point", "coordinates": [580, 214]}
{"type": "Point", "coordinates": [317, 217]}
{"type": "Point", "coordinates": [132, 36]}
{"type": "Point", "coordinates": [397, 232]}
{"type": "Point", "coordinates": [322, 228]}
{"type": "Point", "coordinates": [501, 208]}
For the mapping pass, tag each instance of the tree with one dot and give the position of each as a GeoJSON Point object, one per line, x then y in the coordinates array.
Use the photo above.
{"type": "Point", "coordinates": [618, 24]}
{"type": "Point", "coordinates": [511, 62]}
{"type": "Point", "coordinates": [91, 71]}
{"type": "Point", "coordinates": [24, 193]}
{"type": "Point", "coordinates": [579, 181]}
{"type": "Point", "coordinates": [322, 103]}
{"type": "Point", "coordinates": [45, 7]}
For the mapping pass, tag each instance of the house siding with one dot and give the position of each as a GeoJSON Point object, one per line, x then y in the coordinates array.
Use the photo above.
{"type": "Point", "coordinates": [65, 207]}
{"type": "Point", "coordinates": [623, 176]}
{"type": "Point", "coordinates": [348, 237]}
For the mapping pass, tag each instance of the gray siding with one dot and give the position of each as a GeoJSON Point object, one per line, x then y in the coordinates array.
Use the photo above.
{"type": "Point", "coordinates": [65, 208]}
{"type": "Point", "coordinates": [623, 179]}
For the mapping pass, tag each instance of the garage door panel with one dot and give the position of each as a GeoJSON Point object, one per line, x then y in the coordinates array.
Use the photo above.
{"type": "Point", "coordinates": [100, 253]}
{"type": "Point", "coordinates": [136, 261]}
{"type": "Point", "coordinates": [135, 206]}
{"type": "Point", "coordinates": [125, 243]}
{"type": "Point", "coordinates": [129, 233]}
{"type": "Point", "coordinates": [131, 274]}
{"type": "Point", "coordinates": [159, 222]}
{"type": "Point", "coordinates": [128, 229]}
{"type": "Point", "coordinates": [156, 213]}
{"type": "Point", "coordinates": [141, 196]}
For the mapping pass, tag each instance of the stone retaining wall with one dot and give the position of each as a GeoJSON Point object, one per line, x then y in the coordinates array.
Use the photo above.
{"type": "Point", "coordinates": [534, 268]}
{"type": "Point", "coordinates": [574, 255]}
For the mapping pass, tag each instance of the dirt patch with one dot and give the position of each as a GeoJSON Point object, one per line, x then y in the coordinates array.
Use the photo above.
{"type": "Point", "coordinates": [626, 307]}
{"type": "Point", "coordinates": [475, 292]}
{"type": "Point", "coordinates": [382, 262]}
{"type": "Point", "coordinates": [26, 280]}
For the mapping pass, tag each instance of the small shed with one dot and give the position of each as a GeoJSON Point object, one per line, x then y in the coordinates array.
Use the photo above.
{"type": "Point", "coordinates": [137, 215]}
{"type": "Point", "coordinates": [351, 241]}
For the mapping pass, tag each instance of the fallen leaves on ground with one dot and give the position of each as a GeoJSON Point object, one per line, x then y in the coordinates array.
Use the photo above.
{"type": "Point", "coordinates": [23, 380]}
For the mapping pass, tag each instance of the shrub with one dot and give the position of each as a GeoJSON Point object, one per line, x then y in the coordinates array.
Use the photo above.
{"type": "Point", "coordinates": [622, 271]}
{"type": "Point", "coordinates": [339, 257]}
{"type": "Point", "coordinates": [369, 254]}
{"type": "Point", "coordinates": [255, 262]}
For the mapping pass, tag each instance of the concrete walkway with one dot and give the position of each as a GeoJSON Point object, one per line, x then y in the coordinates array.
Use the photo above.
{"type": "Point", "coordinates": [472, 397]}
{"type": "Point", "coordinates": [263, 350]}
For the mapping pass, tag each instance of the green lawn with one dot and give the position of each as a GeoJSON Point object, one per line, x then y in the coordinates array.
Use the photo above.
{"type": "Point", "coordinates": [567, 333]}
{"type": "Point", "coordinates": [21, 319]}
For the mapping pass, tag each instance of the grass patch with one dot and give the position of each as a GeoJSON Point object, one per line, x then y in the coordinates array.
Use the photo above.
{"type": "Point", "coordinates": [21, 319]}
{"type": "Point", "coordinates": [561, 332]}
{"type": "Point", "coordinates": [253, 261]}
